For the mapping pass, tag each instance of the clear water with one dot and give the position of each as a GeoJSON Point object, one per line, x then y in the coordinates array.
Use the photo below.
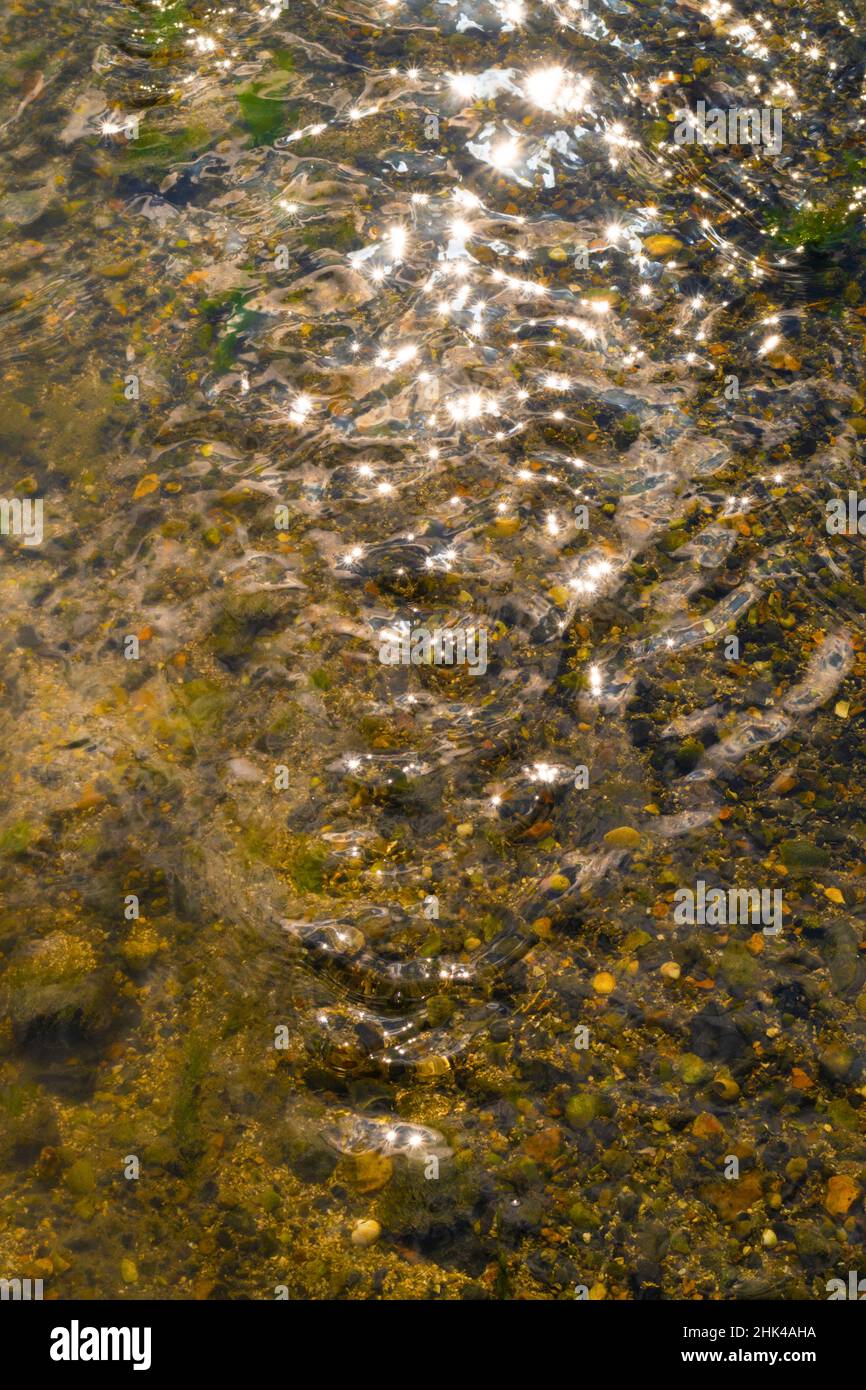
{"type": "Point", "coordinates": [328, 977]}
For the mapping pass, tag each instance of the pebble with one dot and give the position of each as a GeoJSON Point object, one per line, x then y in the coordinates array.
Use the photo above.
{"type": "Point", "coordinates": [725, 1088]}
{"type": "Point", "coordinates": [604, 982]}
{"type": "Point", "coordinates": [372, 1171]}
{"type": "Point", "coordinates": [662, 245]}
{"type": "Point", "coordinates": [366, 1233]}
{"type": "Point", "coordinates": [581, 1110]}
{"type": "Point", "coordinates": [80, 1177]}
{"type": "Point", "coordinates": [623, 837]}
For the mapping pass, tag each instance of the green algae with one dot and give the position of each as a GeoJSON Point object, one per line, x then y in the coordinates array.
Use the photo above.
{"type": "Point", "coordinates": [156, 148]}
{"type": "Point", "coordinates": [16, 838]}
{"type": "Point", "coordinates": [820, 230]}
{"type": "Point", "coordinates": [265, 117]}
{"type": "Point", "coordinates": [186, 1130]}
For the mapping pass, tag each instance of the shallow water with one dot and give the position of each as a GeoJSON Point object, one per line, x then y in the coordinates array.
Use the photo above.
{"type": "Point", "coordinates": [318, 320]}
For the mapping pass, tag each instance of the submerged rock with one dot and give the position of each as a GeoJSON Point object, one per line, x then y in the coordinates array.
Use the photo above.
{"type": "Point", "coordinates": [57, 992]}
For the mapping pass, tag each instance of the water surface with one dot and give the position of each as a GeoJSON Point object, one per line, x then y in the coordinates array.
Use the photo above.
{"type": "Point", "coordinates": [318, 319]}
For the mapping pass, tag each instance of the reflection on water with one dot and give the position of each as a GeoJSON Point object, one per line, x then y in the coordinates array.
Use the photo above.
{"type": "Point", "coordinates": [360, 977]}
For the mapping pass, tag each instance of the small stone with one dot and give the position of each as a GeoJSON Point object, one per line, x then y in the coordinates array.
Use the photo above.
{"type": "Point", "coordinates": [706, 1126]}
{"type": "Point", "coordinates": [692, 1069]}
{"type": "Point", "coordinates": [366, 1233]}
{"type": "Point", "coordinates": [465, 830]}
{"type": "Point", "coordinates": [604, 982]}
{"type": "Point", "coordinates": [802, 854]}
{"type": "Point", "coordinates": [731, 1198]}
{"type": "Point", "coordinates": [670, 970]}
{"type": "Point", "coordinates": [623, 837]}
{"type": "Point", "coordinates": [47, 1166]}
{"type": "Point", "coordinates": [583, 1217]}
{"type": "Point", "coordinates": [149, 483]}
{"type": "Point", "coordinates": [837, 1060]}
{"type": "Point", "coordinates": [784, 362]}
{"type": "Point", "coordinates": [784, 782]}
{"type": "Point", "coordinates": [80, 1178]}
{"type": "Point", "coordinates": [544, 1146]}
{"type": "Point", "coordinates": [769, 1239]}
{"type": "Point", "coordinates": [581, 1110]}
{"type": "Point", "coordinates": [116, 270]}
{"type": "Point", "coordinates": [662, 245]}
{"type": "Point", "coordinates": [725, 1088]}
{"type": "Point", "coordinates": [429, 1067]}
{"type": "Point", "coordinates": [128, 1271]}
{"type": "Point", "coordinates": [739, 968]}
{"type": "Point", "coordinates": [842, 1191]}
{"type": "Point", "coordinates": [89, 798]}
{"type": "Point", "coordinates": [636, 939]}
{"type": "Point", "coordinates": [811, 1242]}
{"type": "Point", "coordinates": [372, 1171]}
